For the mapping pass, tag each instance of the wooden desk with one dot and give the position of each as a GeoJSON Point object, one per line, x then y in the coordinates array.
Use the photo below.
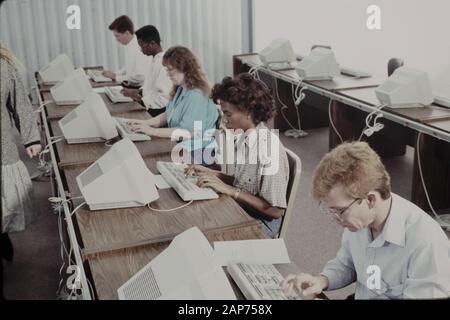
{"type": "Point", "coordinates": [110, 270]}
{"type": "Point", "coordinates": [87, 153]}
{"type": "Point", "coordinates": [341, 82]}
{"type": "Point", "coordinates": [57, 112]}
{"type": "Point", "coordinates": [117, 243]}
{"type": "Point", "coordinates": [106, 230]}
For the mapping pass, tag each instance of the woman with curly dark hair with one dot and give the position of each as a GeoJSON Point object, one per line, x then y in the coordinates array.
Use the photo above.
{"type": "Point", "coordinates": [190, 101]}
{"type": "Point", "coordinates": [246, 104]}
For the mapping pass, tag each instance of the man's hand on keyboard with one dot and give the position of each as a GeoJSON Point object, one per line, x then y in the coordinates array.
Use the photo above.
{"type": "Point", "coordinates": [304, 284]}
{"type": "Point", "coordinates": [143, 128]}
{"type": "Point", "coordinates": [109, 74]}
{"type": "Point", "coordinates": [214, 182]}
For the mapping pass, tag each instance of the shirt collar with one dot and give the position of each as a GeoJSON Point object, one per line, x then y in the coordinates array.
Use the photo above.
{"type": "Point", "coordinates": [159, 55]}
{"type": "Point", "coordinates": [394, 228]}
{"type": "Point", "coordinates": [133, 42]}
{"type": "Point", "coordinates": [250, 143]}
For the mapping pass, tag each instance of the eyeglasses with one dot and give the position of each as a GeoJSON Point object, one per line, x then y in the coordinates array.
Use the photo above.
{"type": "Point", "coordinates": [335, 211]}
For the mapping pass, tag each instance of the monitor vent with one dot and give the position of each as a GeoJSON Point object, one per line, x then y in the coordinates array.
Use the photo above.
{"type": "Point", "coordinates": [143, 286]}
{"type": "Point", "coordinates": [91, 174]}
{"type": "Point", "coordinates": [68, 118]}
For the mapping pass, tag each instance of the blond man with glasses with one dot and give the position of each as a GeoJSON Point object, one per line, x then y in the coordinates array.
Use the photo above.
{"type": "Point", "coordinates": [390, 247]}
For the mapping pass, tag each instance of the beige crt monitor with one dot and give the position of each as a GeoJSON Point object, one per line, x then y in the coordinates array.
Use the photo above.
{"type": "Point", "coordinates": [278, 54]}
{"type": "Point", "coordinates": [119, 179]}
{"type": "Point", "coordinates": [406, 86]}
{"type": "Point", "coordinates": [320, 64]}
{"type": "Point", "coordinates": [57, 70]}
{"type": "Point", "coordinates": [89, 122]}
{"type": "Point", "coordinates": [73, 89]}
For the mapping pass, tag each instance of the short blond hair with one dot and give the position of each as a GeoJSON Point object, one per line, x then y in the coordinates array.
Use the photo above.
{"type": "Point", "coordinates": [354, 165]}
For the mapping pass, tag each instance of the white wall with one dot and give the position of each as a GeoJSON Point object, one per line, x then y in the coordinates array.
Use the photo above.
{"type": "Point", "coordinates": [35, 30]}
{"type": "Point", "coordinates": [416, 30]}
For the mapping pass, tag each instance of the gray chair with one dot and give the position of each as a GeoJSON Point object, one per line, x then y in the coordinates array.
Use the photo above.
{"type": "Point", "coordinates": [295, 170]}
{"type": "Point", "coordinates": [393, 64]}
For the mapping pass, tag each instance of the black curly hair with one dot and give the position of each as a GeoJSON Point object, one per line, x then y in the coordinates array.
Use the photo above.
{"type": "Point", "coordinates": [248, 95]}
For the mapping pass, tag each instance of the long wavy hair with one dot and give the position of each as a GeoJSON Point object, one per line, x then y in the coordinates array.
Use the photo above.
{"type": "Point", "coordinates": [9, 57]}
{"type": "Point", "coordinates": [184, 60]}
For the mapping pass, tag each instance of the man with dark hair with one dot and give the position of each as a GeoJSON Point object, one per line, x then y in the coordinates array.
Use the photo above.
{"type": "Point", "coordinates": [135, 62]}
{"type": "Point", "coordinates": [155, 92]}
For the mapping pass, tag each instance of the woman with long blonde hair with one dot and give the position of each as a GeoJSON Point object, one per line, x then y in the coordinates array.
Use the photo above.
{"type": "Point", "coordinates": [18, 209]}
{"type": "Point", "coordinates": [190, 101]}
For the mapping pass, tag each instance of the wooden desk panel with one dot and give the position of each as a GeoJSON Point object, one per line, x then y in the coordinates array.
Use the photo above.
{"type": "Point", "coordinates": [87, 153]}
{"type": "Point", "coordinates": [433, 115]}
{"type": "Point", "coordinates": [57, 112]}
{"type": "Point", "coordinates": [120, 228]}
{"type": "Point", "coordinates": [341, 82]}
{"type": "Point", "coordinates": [110, 270]}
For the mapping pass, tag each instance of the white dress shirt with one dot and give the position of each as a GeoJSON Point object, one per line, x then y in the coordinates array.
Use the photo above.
{"type": "Point", "coordinates": [412, 253]}
{"type": "Point", "coordinates": [136, 63]}
{"type": "Point", "coordinates": [157, 85]}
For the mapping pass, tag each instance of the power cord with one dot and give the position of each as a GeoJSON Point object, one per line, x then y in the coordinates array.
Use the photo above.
{"type": "Point", "coordinates": [41, 107]}
{"type": "Point", "coordinates": [332, 123]}
{"type": "Point", "coordinates": [443, 219]}
{"type": "Point", "coordinates": [169, 210]}
{"type": "Point", "coordinates": [298, 96]}
{"type": "Point", "coordinates": [42, 163]}
{"type": "Point", "coordinates": [376, 126]}
{"type": "Point", "coordinates": [57, 205]}
{"type": "Point", "coordinates": [254, 72]}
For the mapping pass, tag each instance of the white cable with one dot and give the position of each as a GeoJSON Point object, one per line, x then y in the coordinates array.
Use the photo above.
{"type": "Point", "coordinates": [41, 107]}
{"type": "Point", "coordinates": [47, 149]}
{"type": "Point", "coordinates": [332, 123]}
{"type": "Point", "coordinates": [254, 72]}
{"type": "Point", "coordinates": [73, 287]}
{"type": "Point", "coordinates": [169, 210]}
{"type": "Point", "coordinates": [76, 209]}
{"type": "Point", "coordinates": [419, 164]}
{"type": "Point", "coordinates": [107, 143]}
{"type": "Point", "coordinates": [294, 132]}
{"type": "Point", "coordinates": [371, 129]}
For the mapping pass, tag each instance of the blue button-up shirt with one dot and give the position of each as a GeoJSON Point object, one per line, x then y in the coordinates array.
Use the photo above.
{"type": "Point", "coordinates": [412, 253]}
{"type": "Point", "coordinates": [189, 106]}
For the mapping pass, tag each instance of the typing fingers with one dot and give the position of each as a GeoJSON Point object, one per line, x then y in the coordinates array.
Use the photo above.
{"type": "Point", "coordinates": [205, 181]}
{"type": "Point", "coordinates": [189, 170]}
{"type": "Point", "coordinates": [132, 121]}
{"type": "Point", "coordinates": [137, 128]}
{"type": "Point", "coordinates": [313, 289]}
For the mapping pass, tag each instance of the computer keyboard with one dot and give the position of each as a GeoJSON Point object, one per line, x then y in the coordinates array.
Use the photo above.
{"type": "Point", "coordinates": [276, 66]}
{"type": "Point", "coordinates": [125, 131]}
{"type": "Point", "coordinates": [97, 75]}
{"type": "Point", "coordinates": [258, 281]}
{"type": "Point", "coordinates": [186, 187]}
{"type": "Point", "coordinates": [115, 95]}
{"type": "Point", "coordinates": [354, 73]}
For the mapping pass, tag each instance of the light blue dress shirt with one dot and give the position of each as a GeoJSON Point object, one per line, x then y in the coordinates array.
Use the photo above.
{"type": "Point", "coordinates": [412, 253]}
{"type": "Point", "coordinates": [188, 106]}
